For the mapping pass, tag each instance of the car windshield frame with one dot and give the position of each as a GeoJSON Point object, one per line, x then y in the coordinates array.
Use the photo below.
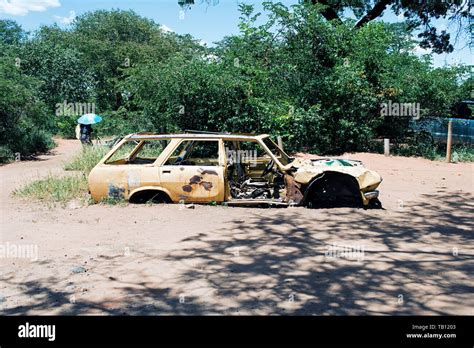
{"type": "Point", "coordinates": [282, 157]}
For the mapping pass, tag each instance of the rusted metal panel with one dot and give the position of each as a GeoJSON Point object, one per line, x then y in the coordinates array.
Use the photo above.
{"type": "Point", "coordinates": [293, 190]}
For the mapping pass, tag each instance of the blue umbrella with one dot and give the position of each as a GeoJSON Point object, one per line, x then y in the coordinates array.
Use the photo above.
{"type": "Point", "coordinates": [89, 119]}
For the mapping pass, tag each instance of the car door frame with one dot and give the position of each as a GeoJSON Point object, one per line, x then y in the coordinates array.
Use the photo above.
{"type": "Point", "coordinates": [192, 183]}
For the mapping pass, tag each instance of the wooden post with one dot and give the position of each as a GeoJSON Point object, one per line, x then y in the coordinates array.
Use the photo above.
{"type": "Point", "coordinates": [386, 147]}
{"type": "Point", "coordinates": [449, 141]}
{"type": "Point", "coordinates": [280, 142]}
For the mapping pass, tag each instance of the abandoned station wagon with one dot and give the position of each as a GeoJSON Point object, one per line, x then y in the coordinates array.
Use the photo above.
{"type": "Point", "coordinates": [232, 168]}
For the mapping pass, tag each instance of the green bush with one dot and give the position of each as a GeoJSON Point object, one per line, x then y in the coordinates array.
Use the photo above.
{"type": "Point", "coordinates": [25, 126]}
{"type": "Point", "coordinates": [6, 155]}
{"type": "Point", "coordinates": [459, 153]}
{"type": "Point", "coordinates": [464, 153]}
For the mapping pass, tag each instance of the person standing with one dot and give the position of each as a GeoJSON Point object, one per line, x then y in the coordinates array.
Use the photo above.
{"type": "Point", "coordinates": [85, 127]}
{"type": "Point", "coordinates": [85, 134]}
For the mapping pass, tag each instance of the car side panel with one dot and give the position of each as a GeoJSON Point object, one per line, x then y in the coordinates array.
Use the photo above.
{"type": "Point", "coordinates": [117, 181]}
{"type": "Point", "coordinates": [193, 183]}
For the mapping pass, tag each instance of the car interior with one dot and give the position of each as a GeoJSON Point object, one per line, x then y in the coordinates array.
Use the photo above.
{"type": "Point", "coordinates": [251, 172]}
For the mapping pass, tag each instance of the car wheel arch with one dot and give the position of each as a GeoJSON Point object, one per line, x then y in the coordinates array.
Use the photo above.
{"type": "Point", "coordinates": [322, 179]}
{"type": "Point", "coordinates": [136, 194]}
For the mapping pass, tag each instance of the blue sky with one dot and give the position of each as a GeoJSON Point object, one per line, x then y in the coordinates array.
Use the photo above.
{"type": "Point", "coordinates": [209, 23]}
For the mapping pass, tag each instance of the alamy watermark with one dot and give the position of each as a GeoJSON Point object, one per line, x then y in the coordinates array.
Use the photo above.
{"type": "Point", "coordinates": [37, 331]}
{"type": "Point", "coordinates": [22, 251]}
{"type": "Point", "coordinates": [350, 252]}
{"type": "Point", "coordinates": [74, 109]}
{"type": "Point", "coordinates": [400, 109]}
{"type": "Point", "coordinates": [242, 156]}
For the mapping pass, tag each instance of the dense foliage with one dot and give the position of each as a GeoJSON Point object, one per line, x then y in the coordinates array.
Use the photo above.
{"type": "Point", "coordinates": [318, 85]}
{"type": "Point", "coordinates": [417, 14]}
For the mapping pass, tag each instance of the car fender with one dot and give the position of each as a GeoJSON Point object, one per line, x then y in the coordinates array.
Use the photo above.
{"type": "Point", "coordinates": [147, 188]}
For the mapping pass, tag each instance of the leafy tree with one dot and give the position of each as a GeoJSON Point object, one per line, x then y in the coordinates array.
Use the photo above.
{"type": "Point", "coordinates": [300, 70]}
{"type": "Point", "coordinates": [24, 121]}
{"type": "Point", "coordinates": [418, 15]}
{"type": "Point", "coordinates": [113, 41]}
{"type": "Point", "coordinates": [11, 32]}
{"type": "Point", "coordinates": [63, 75]}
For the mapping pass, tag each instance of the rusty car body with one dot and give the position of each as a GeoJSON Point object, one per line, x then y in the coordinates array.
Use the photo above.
{"type": "Point", "coordinates": [232, 168]}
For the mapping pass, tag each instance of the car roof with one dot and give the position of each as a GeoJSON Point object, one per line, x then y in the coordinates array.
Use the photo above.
{"type": "Point", "coordinates": [152, 136]}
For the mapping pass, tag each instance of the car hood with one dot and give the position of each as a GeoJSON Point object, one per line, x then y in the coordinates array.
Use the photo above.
{"type": "Point", "coordinates": [308, 169]}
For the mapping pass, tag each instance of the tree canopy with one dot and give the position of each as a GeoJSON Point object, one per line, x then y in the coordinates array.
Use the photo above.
{"type": "Point", "coordinates": [417, 15]}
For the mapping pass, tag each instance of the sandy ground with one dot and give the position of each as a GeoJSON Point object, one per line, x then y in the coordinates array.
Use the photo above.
{"type": "Point", "coordinates": [414, 257]}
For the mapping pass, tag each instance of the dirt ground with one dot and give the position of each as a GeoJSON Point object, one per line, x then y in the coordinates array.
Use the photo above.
{"type": "Point", "coordinates": [414, 257]}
